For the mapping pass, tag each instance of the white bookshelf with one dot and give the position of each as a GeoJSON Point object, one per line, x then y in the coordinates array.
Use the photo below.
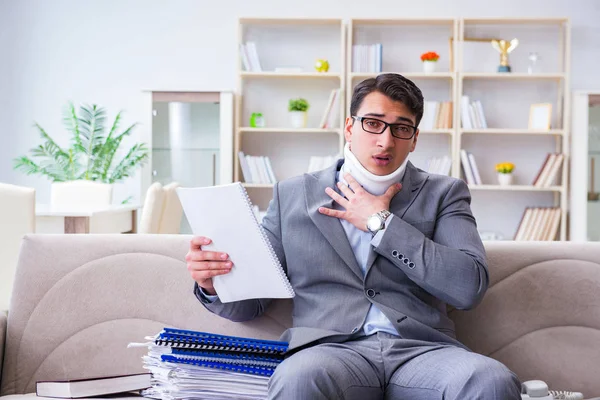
{"type": "Point", "coordinates": [468, 66]}
{"type": "Point", "coordinates": [506, 98]}
{"type": "Point", "coordinates": [294, 44]}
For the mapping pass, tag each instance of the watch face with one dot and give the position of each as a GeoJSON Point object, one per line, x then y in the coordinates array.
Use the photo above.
{"type": "Point", "coordinates": [373, 223]}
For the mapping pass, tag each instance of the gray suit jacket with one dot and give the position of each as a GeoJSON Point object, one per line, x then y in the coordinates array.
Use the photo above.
{"type": "Point", "coordinates": [430, 255]}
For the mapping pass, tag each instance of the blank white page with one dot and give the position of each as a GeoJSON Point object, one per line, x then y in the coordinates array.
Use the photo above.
{"type": "Point", "coordinates": [224, 214]}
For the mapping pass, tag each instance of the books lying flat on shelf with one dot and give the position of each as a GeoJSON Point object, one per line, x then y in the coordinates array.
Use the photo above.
{"type": "Point", "coordinates": [192, 364]}
{"type": "Point", "coordinates": [257, 169]}
{"type": "Point", "coordinates": [367, 57]}
{"type": "Point", "coordinates": [469, 167]}
{"type": "Point", "coordinates": [77, 388]}
{"type": "Point", "coordinates": [225, 214]}
{"type": "Point", "coordinates": [471, 114]}
{"type": "Point", "coordinates": [436, 115]}
{"type": "Point", "coordinates": [539, 223]}
{"type": "Point", "coordinates": [549, 170]}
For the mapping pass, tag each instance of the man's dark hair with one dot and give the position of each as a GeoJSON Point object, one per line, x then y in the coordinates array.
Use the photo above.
{"type": "Point", "coordinates": [394, 86]}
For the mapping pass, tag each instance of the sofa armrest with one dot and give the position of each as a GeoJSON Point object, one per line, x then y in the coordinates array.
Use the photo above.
{"type": "Point", "coordinates": [3, 318]}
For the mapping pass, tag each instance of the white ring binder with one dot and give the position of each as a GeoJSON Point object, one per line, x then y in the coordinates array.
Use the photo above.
{"type": "Point", "coordinates": [265, 239]}
{"type": "Point", "coordinates": [224, 213]}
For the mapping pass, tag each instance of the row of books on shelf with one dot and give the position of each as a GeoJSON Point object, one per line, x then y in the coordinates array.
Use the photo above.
{"type": "Point", "coordinates": [367, 57]}
{"type": "Point", "coordinates": [317, 163]}
{"type": "Point", "coordinates": [439, 165]}
{"type": "Point", "coordinates": [436, 115]}
{"type": "Point", "coordinates": [249, 55]}
{"type": "Point", "coordinates": [547, 174]}
{"type": "Point", "coordinates": [539, 223]}
{"type": "Point", "coordinates": [256, 169]}
{"type": "Point", "coordinates": [472, 116]}
{"type": "Point", "coordinates": [469, 167]}
{"type": "Point", "coordinates": [332, 110]}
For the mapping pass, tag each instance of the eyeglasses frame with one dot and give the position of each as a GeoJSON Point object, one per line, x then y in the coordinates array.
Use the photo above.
{"type": "Point", "coordinates": [386, 126]}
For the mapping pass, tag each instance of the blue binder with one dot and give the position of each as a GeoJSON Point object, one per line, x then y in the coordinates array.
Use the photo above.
{"type": "Point", "coordinates": [187, 339]}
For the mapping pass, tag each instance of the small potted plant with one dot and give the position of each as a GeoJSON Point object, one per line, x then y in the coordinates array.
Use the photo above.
{"type": "Point", "coordinates": [298, 112]}
{"type": "Point", "coordinates": [504, 171]}
{"type": "Point", "coordinates": [429, 61]}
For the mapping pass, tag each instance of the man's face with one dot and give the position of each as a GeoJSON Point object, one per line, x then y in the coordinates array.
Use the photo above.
{"type": "Point", "coordinates": [381, 154]}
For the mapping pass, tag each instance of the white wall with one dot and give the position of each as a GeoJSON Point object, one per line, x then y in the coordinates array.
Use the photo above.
{"type": "Point", "coordinates": [106, 52]}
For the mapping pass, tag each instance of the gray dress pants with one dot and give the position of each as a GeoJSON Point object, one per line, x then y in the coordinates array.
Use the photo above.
{"type": "Point", "coordinates": [383, 366]}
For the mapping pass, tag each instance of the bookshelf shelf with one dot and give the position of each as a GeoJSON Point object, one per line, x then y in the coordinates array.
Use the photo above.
{"type": "Point", "coordinates": [404, 21]}
{"type": "Point", "coordinates": [515, 21]}
{"type": "Point", "coordinates": [289, 21]}
{"type": "Point", "coordinates": [289, 130]}
{"type": "Point", "coordinates": [511, 76]}
{"type": "Point", "coordinates": [517, 188]}
{"type": "Point", "coordinates": [493, 131]}
{"type": "Point", "coordinates": [409, 75]}
{"type": "Point", "coordinates": [293, 75]}
{"type": "Point", "coordinates": [436, 132]}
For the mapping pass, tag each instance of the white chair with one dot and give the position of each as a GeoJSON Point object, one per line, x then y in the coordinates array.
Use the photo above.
{"type": "Point", "coordinates": [81, 193]}
{"type": "Point", "coordinates": [17, 213]}
{"type": "Point", "coordinates": [162, 211]}
{"type": "Point", "coordinates": [170, 220]}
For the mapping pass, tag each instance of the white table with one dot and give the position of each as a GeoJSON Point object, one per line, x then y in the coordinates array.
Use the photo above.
{"type": "Point", "coordinates": [118, 218]}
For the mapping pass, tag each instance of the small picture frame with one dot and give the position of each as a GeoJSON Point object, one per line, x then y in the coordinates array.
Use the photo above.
{"type": "Point", "coordinates": [540, 116]}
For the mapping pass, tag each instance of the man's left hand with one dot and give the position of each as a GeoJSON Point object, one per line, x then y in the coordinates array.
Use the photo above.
{"type": "Point", "coordinates": [359, 204]}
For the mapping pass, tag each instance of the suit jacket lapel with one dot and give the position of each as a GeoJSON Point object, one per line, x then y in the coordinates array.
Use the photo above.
{"type": "Point", "coordinates": [412, 183]}
{"type": "Point", "coordinates": [330, 227]}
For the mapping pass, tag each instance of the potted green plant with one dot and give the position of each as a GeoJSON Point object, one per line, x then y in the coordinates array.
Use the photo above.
{"type": "Point", "coordinates": [298, 112]}
{"type": "Point", "coordinates": [92, 155]}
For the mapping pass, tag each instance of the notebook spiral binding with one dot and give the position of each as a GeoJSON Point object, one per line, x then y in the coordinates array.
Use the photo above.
{"type": "Point", "coordinates": [265, 239]}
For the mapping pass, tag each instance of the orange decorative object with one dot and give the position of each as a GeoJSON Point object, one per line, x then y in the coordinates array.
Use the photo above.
{"type": "Point", "coordinates": [430, 56]}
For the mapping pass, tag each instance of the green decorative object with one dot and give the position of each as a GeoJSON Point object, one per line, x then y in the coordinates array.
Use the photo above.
{"type": "Point", "coordinates": [299, 104]}
{"type": "Point", "coordinates": [257, 120]}
{"type": "Point", "coordinates": [322, 65]}
{"type": "Point", "coordinates": [92, 154]}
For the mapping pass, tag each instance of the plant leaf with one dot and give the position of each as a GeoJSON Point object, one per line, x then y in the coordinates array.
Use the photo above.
{"type": "Point", "coordinates": [137, 156]}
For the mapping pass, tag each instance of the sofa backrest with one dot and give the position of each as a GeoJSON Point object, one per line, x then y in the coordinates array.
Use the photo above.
{"type": "Point", "coordinates": [80, 299]}
{"type": "Point", "coordinates": [541, 313]}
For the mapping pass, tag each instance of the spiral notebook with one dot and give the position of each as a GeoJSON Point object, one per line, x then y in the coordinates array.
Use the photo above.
{"type": "Point", "coordinates": [224, 214]}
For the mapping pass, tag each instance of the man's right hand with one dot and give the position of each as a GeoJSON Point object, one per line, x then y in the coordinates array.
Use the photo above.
{"type": "Point", "coordinates": [203, 265]}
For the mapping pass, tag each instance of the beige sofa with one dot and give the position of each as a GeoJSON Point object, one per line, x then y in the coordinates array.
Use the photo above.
{"type": "Point", "coordinates": [78, 300]}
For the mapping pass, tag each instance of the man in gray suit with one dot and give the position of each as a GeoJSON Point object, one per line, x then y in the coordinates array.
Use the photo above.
{"type": "Point", "coordinates": [374, 248]}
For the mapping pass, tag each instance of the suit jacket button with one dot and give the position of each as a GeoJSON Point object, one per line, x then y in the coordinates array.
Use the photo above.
{"type": "Point", "coordinates": [370, 293]}
{"type": "Point", "coordinates": [411, 265]}
{"type": "Point", "coordinates": [354, 330]}
{"type": "Point", "coordinates": [395, 253]}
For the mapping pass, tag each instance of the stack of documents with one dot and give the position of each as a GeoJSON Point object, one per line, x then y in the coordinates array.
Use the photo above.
{"type": "Point", "coordinates": [189, 364]}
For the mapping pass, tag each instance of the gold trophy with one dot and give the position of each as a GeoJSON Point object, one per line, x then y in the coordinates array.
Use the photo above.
{"type": "Point", "coordinates": [504, 47]}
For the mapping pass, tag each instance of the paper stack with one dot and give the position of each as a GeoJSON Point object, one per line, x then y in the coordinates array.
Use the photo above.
{"type": "Point", "coordinates": [188, 364]}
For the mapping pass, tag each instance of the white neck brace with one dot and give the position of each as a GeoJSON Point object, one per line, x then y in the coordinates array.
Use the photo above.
{"type": "Point", "coordinates": [374, 184]}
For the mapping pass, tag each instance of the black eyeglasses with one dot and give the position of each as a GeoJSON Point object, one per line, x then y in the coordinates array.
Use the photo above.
{"type": "Point", "coordinates": [377, 126]}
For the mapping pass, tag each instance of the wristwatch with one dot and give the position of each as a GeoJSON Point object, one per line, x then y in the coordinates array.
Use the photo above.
{"type": "Point", "coordinates": [376, 222]}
